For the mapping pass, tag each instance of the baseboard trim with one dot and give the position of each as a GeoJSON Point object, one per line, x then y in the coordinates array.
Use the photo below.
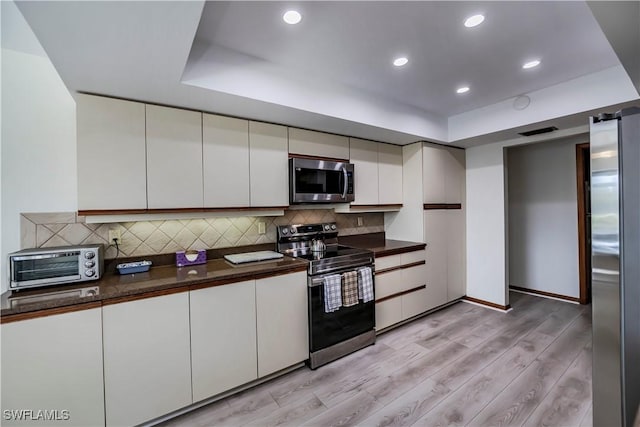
{"type": "Point", "coordinates": [544, 294]}
{"type": "Point", "coordinates": [220, 396]}
{"type": "Point", "coordinates": [501, 308]}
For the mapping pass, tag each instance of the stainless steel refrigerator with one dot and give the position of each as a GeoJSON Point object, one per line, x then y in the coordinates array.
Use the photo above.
{"type": "Point", "coordinates": [615, 244]}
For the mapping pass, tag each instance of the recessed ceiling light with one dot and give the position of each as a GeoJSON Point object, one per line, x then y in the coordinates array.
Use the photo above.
{"type": "Point", "coordinates": [473, 21]}
{"type": "Point", "coordinates": [531, 64]}
{"type": "Point", "coordinates": [292, 17]}
{"type": "Point", "coordinates": [463, 89]}
{"type": "Point", "coordinates": [399, 62]}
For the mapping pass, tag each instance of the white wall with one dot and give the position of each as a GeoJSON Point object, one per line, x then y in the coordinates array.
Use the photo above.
{"type": "Point", "coordinates": [38, 139]}
{"type": "Point", "coordinates": [487, 216]}
{"type": "Point", "coordinates": [543, 217]}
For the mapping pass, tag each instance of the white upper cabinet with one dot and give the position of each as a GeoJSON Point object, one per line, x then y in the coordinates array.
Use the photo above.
{"type": "Point", "coordinates": [226, 161]}
{"type": "Point", "coordinates": [111, 153]}
{"type": "Point", "coordinates": [174, 158]}
{"type": "Point", "coordinates": [389, 174]}
{"type": "Point", "coordinates": [443, 174]}
{"type": "Point", "coordinates": [318, 144]}
{"type": "Point", "coordinates": [269, 165]}
{"type": "Point", "coordinates": [454, 178]}
{"type": "Point", "coordinates": [364, 155]}
{"type": "Point", "coordinates": [378, 172]}
{"type": "Point", "coordinates": [433, 170]}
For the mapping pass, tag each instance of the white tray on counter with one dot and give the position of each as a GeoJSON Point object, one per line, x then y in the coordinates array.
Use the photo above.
{"type": "Point", "coordinates": [252, 257]}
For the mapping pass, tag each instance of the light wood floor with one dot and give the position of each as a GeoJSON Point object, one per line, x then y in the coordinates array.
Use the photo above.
{"type": "Point", "coordinates": [465, 365]}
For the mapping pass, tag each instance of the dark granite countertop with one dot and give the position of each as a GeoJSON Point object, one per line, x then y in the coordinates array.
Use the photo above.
{"type": "Point", "coordinates": [164, 276]}
{"type": "Point", "coordinates": [380, 246]}
{"type": "Point", "coordinates": [113, 287]}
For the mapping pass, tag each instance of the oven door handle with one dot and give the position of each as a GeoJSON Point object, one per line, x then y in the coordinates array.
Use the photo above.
{"type": "Point", "coordinates": [346, 182]}
{"type": "Point", "coordinates": [319, 280]}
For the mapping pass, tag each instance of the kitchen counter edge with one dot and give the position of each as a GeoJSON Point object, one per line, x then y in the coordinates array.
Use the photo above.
{"type": "Point", "coordinates": [160, 280]}
{"type": "Point", "coordinates": [381, 246]}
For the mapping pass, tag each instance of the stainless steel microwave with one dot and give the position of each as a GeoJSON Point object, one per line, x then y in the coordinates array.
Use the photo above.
{"type": "Point", "coordinates": [320, 181]}
{"type": "Point", "coordinates": [32, 268]}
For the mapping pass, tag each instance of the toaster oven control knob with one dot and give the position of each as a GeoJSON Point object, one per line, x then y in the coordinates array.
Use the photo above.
{"type": "Point", "coordinates": [327, 227]}
{"type": "Point", "coordinates": [90, 272]}
{"type": "Point", "coordinates": [89, 264]}
{"type": "Point", "coordinates": [333, 227]}
{"type": "Point", "coordinates": [285, 231]}
{"type": "Point", "coordinates": [293, 230]}
{"type": "Point", "coordinates": [89, 255]}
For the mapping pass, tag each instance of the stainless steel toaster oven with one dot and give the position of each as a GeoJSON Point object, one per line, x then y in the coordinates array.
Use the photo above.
{"type": "Point", "coordinates": [31, 268]}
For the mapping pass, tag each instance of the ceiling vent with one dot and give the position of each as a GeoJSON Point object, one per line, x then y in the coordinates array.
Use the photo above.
{"type": "Point", "coordinates": [538, 131]}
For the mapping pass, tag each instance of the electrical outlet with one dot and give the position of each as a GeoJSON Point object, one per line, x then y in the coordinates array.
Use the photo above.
{"type": "Point", "coordinates": [360, 221]}
{"type": "Point", "coordinates": [262, 228]}
{"type": "Point", "coordinates": [114, 234]}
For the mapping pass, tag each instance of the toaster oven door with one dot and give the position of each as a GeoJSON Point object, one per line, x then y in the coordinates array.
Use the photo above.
{"type": "Point", "coordinates": [44, 269]}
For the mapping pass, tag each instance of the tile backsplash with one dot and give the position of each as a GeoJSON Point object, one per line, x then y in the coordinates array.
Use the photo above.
{"type": "Point", "coordinates": [167, 236]}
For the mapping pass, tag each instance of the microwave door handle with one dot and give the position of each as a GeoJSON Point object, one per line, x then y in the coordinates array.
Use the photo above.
{"type": "Point", "coordinates": [346, 182]}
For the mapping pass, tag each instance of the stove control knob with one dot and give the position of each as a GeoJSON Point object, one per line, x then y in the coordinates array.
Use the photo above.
{"type": "Point", "coordinates": [333, 227]}
{"type": "Point", "coordinates": [327, 227]}
{"type": "Point", "coordinates": [285, 230]}
{"type": "Point", "coordinates": [293, 230]}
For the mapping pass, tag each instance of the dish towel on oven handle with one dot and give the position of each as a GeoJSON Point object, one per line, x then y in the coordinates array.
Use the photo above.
{"type": "Point", "coordinates": [350, 288]}
{"type": "Point", "coordinates": [332, 292]}
{"type": "Point", "coordinates": [365, 284]}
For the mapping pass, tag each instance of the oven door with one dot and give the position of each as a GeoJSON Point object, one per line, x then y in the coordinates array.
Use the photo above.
{"type": "Point", "coordinates": [44, 269]}
{"type": "Point", "coordinates": [327, 329]}
{"type": "Point", "coordinates": [320, 181]}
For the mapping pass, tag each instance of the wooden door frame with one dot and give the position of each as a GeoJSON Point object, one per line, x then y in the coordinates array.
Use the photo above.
{"type": "Point", "coordinates": [582, 221]}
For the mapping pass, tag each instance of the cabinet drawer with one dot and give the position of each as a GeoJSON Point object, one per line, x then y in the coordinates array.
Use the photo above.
{"type": "Point", "coordinates": [414, 303]}
{"type": "Point", "coordinates": [411, 257]}
{"type": "Point", "coordinates": [388, 262]}
{"type": "Point", "coordinates": [388, 283]}
{"type": "Point", "coordinates": [413, 277]}
{"type": "Point", "coordinates": [436, 295]}
{"type": "Point", "coordinates": [388, 312]}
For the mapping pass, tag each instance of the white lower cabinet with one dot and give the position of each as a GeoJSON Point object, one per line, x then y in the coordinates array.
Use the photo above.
{"type": "Point", "coordinates": [409, 282]}
{"type": "Point", "coordinates": [388, 312]}
{"type": "Point", "coordinates": [223, 338]}
{"type": "Point", "coordinates": [415, 303]}
{"type": "Point", "coordinates": [444, 232]}
{"type": "Point", "coordinates": [456, 255]}
{"type": "Point", "coordinates": [246, 330]}
{"type": "Point", "coordinates": [388, 283]}
{"type": "Point", "coordinates": [147, 358]}
{"type": "Point", "coordinates": [131, 362]}
{"type": "Point", "coordinates": [282, 322]}
{"type": "Point", "coordinates": [53, 364]}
